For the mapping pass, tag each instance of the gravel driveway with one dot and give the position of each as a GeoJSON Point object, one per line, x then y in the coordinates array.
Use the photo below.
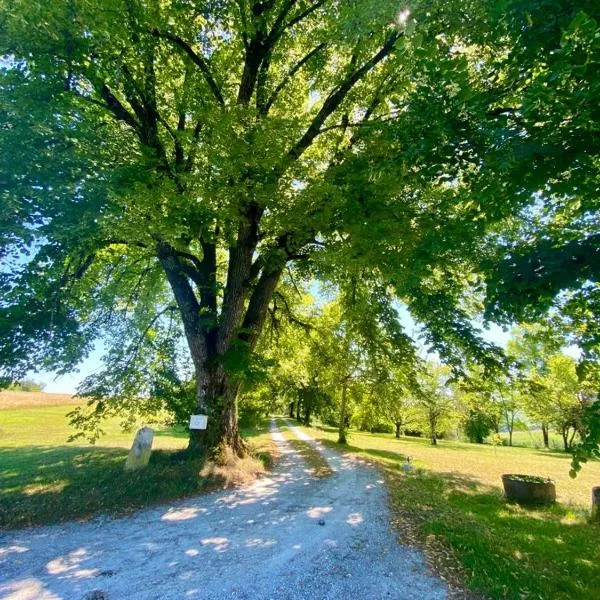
{"type": "Point", "coordinates": [288, 535]}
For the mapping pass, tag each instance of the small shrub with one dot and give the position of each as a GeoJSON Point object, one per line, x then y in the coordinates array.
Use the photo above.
{"type": "Point", "coordinates": [382, 427]}
{"type": "Point", "coordinates": [413, 433]}
{"type": "Point", "coordinates": [250, 413]}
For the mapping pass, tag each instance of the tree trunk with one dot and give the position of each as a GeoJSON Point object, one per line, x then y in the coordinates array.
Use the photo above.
{"type": "Point", "coordinates": [432, 428]}
{"type": "Point", "coordinates": [298, 409]}
{"type": "Point", "coordinates": [545, 435]}
{"type": "Point", "coordinates": [292, 404]}
{"type": "Point", "coordinates": [307, 412]}
{"type": "Point", "coordinates": [571, 440]}
{"type": "Point", "coordinates": [398, 426]}
{"type": "Point", "coordinates": [565, 436]}
{"type": "Point", "coordinates": [510, 425]}
{"type": "Point", "coordinates": [216, 398]}
{"type": "Point", "coordinates": [342, 427]}
{"type": "Point", "coordinates": [243, 312]}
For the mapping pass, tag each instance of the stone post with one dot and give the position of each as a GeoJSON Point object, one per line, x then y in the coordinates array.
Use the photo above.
{"type": "Point", "coordinates": [139, 455]}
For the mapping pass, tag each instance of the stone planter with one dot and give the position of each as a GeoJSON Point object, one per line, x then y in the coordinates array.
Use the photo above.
{"type": "Point", "coordinates": [528, 489]}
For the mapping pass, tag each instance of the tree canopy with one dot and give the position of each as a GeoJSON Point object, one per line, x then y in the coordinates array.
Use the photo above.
{"type": "Point", "coordinates": [169, 163]}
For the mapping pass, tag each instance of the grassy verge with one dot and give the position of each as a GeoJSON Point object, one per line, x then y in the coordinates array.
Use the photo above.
{"type": "Point", "coordinates": [315, 461]}
{"type": "Point", "coordinates": [474, 537]}
{"type": "Point", "coordinates": [534, 439]}
{"type": "Point", "coordinates": [45, 480]}
{"type": "Point", "coordinates": [484, 462]}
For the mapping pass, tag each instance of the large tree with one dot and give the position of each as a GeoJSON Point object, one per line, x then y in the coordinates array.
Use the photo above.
{"type": "Point", "coordinates": [167, 161]}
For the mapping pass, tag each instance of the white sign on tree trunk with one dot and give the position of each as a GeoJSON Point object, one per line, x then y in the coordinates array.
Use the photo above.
{"type": "Point", "coordinates": [198, 421]}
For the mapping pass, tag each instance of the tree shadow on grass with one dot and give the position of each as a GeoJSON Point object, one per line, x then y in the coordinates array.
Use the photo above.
{"type": "Point", "coordinates": [387, 455]}
{"type": "Point", "coordinates": [41, 484]}
{"type": "Point", "coordinates": [49, 484]}
{"type": "Point", "coordinates": [506, 550]}
{"type": "Point", "coordinates": [553, 452]}
{"type": "Point", "coordinates": [175, 431]}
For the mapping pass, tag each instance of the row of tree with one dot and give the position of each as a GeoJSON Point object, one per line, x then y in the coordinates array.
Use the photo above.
{"type": "Point", "coordinates": [323, 364]}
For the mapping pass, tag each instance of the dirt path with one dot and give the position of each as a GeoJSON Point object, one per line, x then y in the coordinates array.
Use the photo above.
{"type": "Point", "coordinates": [288, 535]}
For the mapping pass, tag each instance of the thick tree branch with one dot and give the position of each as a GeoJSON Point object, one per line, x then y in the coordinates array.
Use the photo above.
{"type": "Point", "coordinates": [362, 123]}
{"type": "Point", "coordinates": [203, 273]}
{"type": "Point", "coordinates": [289, 76]}
{"type": "Point", "coordinates": [123, 242]}
{"type": "Point", "coordinates": [334, 100]}
{"type": "Point", "coordinates": [278, 25]}
{"type": "Point", "coordinates": [189, 163]}
{"type": "Point", "coordinates": [197, 59]}
{"type": "Point", "coordinates": [209, 273]}
{"type": "Point", "coordinates": [260, 46]}
{"type": "Point", "coordinates": [242, 8]}
{"type": "Point", "coordinates": [256, 51]}
{"type": "Point", "coordinates": [238, 271]}
{"type": "Point", "coordinates": [305, 13]}
{"type": "Point", "coordinates": [191, 257]}
{"type": "Point", "coordinates": [118, 110]}
{"type": "Point", "coordinates": [186, 301]}
{"type": "Point", "coordinates": [259, 302]}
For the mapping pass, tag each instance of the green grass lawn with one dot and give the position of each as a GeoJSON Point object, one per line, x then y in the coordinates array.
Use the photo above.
{"type": "Point", "coordinates": [45, 479]}
{"type": "Point", "coordinates": [452, 505]}
{"type": "Point", "coordinates": [534, 439]}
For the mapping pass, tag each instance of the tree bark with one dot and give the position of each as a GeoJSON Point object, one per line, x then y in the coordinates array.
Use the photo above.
{"type": "Point", "coordinates": [292, 404]}
{"type": "Point", "coordinates": [342, 426]}
{"type": "Point", "coordinates": [573, 434]}
{"type": "Point", "coordinates": [432, 427]}
{"type": "Point", "coordinates": [307, 412]}
{"type": "Point", "coordinates": [219, 403]}
{"type": "Point", "coordinates": [545, 435]}
{"type": "Point", "coordinates": [210, 336]}
{"type": "Point", "coordinates": [398, 426]}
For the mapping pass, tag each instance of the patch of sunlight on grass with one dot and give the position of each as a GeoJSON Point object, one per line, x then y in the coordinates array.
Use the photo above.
{"type": "Point", "coordinates": [44, 479]}
{"type": "Point", "coordinates": [572, 518]}
{"type": "Point", "coordinates": [45, 488]}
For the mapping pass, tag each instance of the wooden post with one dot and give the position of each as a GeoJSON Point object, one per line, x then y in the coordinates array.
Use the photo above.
{"type": "Point", "coordinates": [596, 503]}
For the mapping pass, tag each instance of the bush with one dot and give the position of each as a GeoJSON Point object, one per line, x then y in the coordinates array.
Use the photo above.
{"type": "Point", "coordinates": [250, 412]}
{"type": "Point", "coordinates": [413, 433]}
{"type": "Point", "coordinates": [382, 427]}
{"type": "Point", "coordinates": [477, 426]}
